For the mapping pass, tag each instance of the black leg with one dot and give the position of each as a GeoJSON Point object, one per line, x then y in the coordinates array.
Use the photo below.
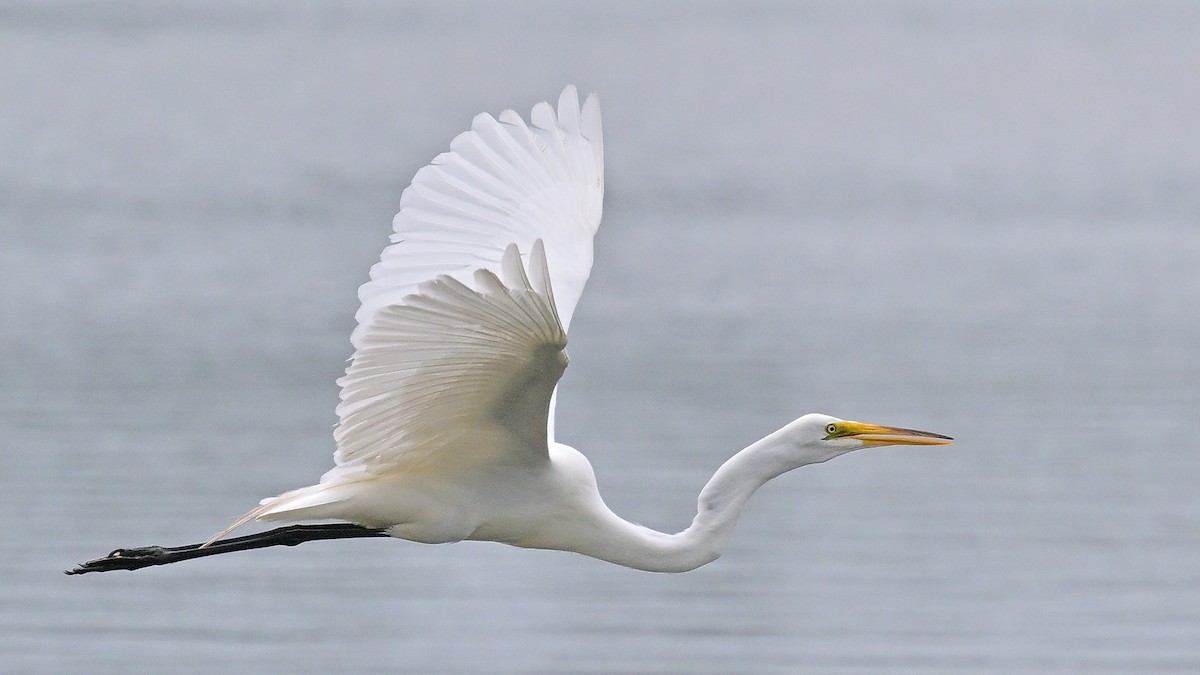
{"type": "Point", "coordinates": [146, 556]}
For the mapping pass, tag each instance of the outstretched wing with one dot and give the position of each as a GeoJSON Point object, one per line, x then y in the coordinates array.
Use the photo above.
{"type": "Point", "coordinates": [456, 373]}
{"type": "Point", "coordinates": [503, 182]}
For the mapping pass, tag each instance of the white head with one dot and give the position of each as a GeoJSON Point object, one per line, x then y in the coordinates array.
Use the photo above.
{"type": "Point", "coordinates": [816, 438]}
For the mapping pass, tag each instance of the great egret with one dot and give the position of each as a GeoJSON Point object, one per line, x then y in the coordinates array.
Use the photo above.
{"type": "Point", "coordinates": [446, 420]}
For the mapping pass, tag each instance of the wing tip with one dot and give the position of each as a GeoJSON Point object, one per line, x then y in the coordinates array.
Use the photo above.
{"type": "Point", "coordinates": [568, 110]}
{"type": "Point", "coordinates": [565, 143]}
{"type": "Point", "coordinates": [511, 269]}
{"type": "Point", "coordinates": [589, 121]}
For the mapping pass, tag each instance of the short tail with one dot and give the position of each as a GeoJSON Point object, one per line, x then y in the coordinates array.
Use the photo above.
{"type": "Point", "coordinates": [306, 503]}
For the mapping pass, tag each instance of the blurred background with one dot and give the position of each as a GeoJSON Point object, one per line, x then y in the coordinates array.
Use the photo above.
{"type": "Point", "coordinates": [977, 219]}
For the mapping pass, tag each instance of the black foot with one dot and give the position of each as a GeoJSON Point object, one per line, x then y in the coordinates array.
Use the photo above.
{"type": "Point", "coordinates": [124, 559]}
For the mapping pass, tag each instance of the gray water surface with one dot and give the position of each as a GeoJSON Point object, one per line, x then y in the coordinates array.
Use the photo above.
{"type": "Point", "coordinates": [983, 220]}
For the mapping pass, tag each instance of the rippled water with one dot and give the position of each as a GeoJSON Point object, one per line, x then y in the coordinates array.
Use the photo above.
{"type": "Point", "coordinates": [981, 221]}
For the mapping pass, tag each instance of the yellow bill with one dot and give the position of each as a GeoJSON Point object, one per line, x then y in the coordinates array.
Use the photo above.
{"type": "Point", "coordinates": [874, 434]}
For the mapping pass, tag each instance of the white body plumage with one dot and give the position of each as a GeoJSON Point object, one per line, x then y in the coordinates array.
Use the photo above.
{"type": "Point", "coordinates": [446, 417]}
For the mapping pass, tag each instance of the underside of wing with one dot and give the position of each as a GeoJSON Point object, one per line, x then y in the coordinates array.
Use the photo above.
{"type": "Point", "coordinates": [503, 182]}
{"type": "Point", "coordinates": [458, 372]}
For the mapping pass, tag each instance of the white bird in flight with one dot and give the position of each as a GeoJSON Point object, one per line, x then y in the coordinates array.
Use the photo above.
{"type": "Point", "coordinates": [446, 420]}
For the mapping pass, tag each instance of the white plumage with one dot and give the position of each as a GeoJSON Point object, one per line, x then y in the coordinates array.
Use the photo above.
{"type": "Point", "coordinates": [454, 370]}
{"type": "Point", "coordinates": [446, 417]}
{"type": "Point", "coordinates": [503, 182]}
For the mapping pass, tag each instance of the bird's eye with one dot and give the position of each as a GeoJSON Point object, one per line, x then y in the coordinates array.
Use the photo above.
{"type": "Point", "coordinates": [831, 429]}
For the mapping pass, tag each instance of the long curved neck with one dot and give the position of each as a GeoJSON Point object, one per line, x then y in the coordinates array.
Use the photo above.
{"type": "Point", "coordinates": [718, 509]}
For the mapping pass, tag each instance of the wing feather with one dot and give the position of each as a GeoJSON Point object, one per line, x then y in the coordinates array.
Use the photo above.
{"type": "Point", "coordinates": [455, 372]}
{"type": "Point", "coordinates": [502, 182]}
{"type": "Point", "coordinates": [459, 342]}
